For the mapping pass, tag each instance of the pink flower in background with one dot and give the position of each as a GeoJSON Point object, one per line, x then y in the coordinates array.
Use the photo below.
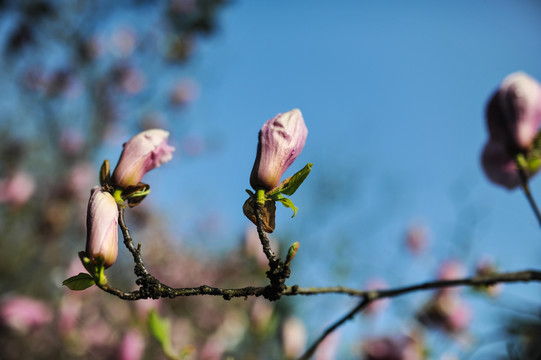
{"type": "Point", "coordinates": [392, 348]}
{"type": "Point", "coordinates": [17, 189]}
{"type": "Point", "coordinates": [144, 152]}
{"type": "Point", "coordinates": [102, 227]}
{"type": "Point", "coordinates": [446, 311]}
{"type": "Point", "coordinates": [378, 305]}
{"type": "Point", "coordinates": [328, 348]}
{"type": "Point", "coordinates": [184, 92]}
{"type": "Point", "coordinates": [294, 337]}
{"type": "Point", "coordinates": [70, 312]}
{"type": "Point", "coordinates": [71, 141]}
{"type": "Point", "coordinates": [459, 317]}
{"type": "Point", "coordinates": [514, 111]}
{"type": "Point", "coordinates": [132, 346]}
{"type": "Point", "coordinates": [25, 314]}
{"type": "Point", "coordinates": [123, 41]}
{"type": "Point", "coordinates": [81, 177]}
{"type": "Point", "coordinates": [281, 140]}
{"type": "Point", "coordinates": [450, 270]}
{"type": "Point", "coordinates": [487, 266]}
{"type": "Point", "coordinates": [417, 239]}
{"type": "Point", "coordinates": [128, 79]}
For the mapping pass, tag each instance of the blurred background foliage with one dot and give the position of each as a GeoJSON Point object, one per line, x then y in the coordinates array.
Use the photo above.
{"type": "Point", "coordinates": [76, 79]}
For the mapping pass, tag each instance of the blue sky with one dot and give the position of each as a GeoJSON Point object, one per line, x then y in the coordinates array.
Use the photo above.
{"type": "Point", "coordinates": [393, 95]}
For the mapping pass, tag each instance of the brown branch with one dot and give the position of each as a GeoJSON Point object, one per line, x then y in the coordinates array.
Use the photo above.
{"type": "Point", "coordinates": [312, 349]}
{"type": "Point", "coordinates": [370, 296]}
{"type": "Point", "coordinates": [150, 287]}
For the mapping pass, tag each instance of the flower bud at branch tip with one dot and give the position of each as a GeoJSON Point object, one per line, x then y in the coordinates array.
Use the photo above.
{"type": "Point", "coordinates": [281, 140]}
{"type": "Point", "coordinates": [513, 117]}
{"type": "Point", "coordinates": [144, 152]}
{"type": "Point", "coordinates": [102, 227]}
{"type": "Point", "coordinates": [514, 112]}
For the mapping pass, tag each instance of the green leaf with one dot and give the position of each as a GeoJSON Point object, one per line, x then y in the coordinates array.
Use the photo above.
{"type": "Point", "coordinates": [287, 203]}
{"type": "Point", "coordinates": [160, 328]}
{"type": "Point", "coordinates": [79, 282]}
{"type": "Point", "coordinates": [533, 164]}
{"type": "Point", "coordinates": [291, 184]}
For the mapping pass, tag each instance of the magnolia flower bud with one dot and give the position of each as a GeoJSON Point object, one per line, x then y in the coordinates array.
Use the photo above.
{"type": "Point", "coordinates": [499, 165]}
{"type": "Point", "coordinates": [144, 152]}
{"type": "Point", "coordinates": [102, 227]}
{"type": "Point", "coordinates": [514, 111]}
{"type": "Point", "coordinates": [281, 140]}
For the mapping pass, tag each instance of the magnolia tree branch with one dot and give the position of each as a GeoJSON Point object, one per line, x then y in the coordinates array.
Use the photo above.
{"type": "Point", "coordinates": [150, 287]}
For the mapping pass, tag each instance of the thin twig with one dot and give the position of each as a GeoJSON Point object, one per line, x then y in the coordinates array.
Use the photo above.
{"type": "Point", "coordinates": [312, 349]}
{"type": "Point", "coordinates": [526, 188]}
{"type": "Point", "coordinates": [136, 253]}
{"type": "Point", "coordinates": [265, 243]}
{"type": "Point", "coordinates": [370, 296]}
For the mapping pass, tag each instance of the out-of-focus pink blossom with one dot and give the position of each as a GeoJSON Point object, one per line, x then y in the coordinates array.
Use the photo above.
{"type": "Point", "coordinates": [184, 92]}
{"type": "Point", "coordinates": [514, 112]}
{"type": "Point", "coordinates": [499, 165]}
{"type": "Point", "coordinates": [417, 239]}
{"type": "Point", "coordinates": [392, 348]}
{"type": "Point", "coordinates": [102, 227]}
{"type": "Point", "coordinates": [71, 141]}
{"type": "Point", "coordinates": [132, 346]}
{"type": "Point", "coordinates": [378, 305]}
{"type": "Point", "coordinates": [81, 177]}
{"type": "Point", "coordinates": [25, 314]}
{"type": "Point", "coordinates": [459, 317]}
{"type": "Point", "coordinates": [183, 6]}
{"type": "Point", "coordinates": [281, 140]}
{"type": "Point", "coordinates": [128, 79]}
{"type": "Point", "coordinates": [63, 82]}
{"type": "Point", "coordinates": [123, 41]}
{"type": "Point", "coordinates": [486, 266]}
{"type": "Point", "coordinates": [261, 313]}
{"type": "Point", "coordinates": [17, 189]}
{"type": "Point", "coordinates": [451, 270]}
{"type": "Point", "coordinates": [328, 348]}
{"type": "Point", "coordinates": [144, 306]}
{"type": "Point", "coordinates": [293, 337]}
{"type": "Point", "coordinates": [70, 310]}
{"type": "Point", "coordinates": [144, 152]}
{"type": "Point", "coordinates": [446, 311]}
{"type": "Point", "coordinates": [253, 248]}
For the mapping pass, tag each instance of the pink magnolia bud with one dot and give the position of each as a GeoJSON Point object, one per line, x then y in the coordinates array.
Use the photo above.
{"type": "Point", "coordinates": [378, 305]}
{"type": "Point", "coordinates": [281, 140]}
{"type": "Point", "coordinates": [499, 165]}
{"type": "Point", "coordinates": [102, 227]}
{"type": "Point", "coordinates": [514, 111]}
{"type": "Point", "coordinates": [144, 152]}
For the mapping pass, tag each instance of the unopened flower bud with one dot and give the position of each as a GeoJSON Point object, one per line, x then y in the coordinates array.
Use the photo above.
{"type": "Point", "coordinates": [514, 112]}
{"type": "Point", "coordinates": [499, 165]}
{"type": "Point", "coordinates": [281, 140]}
{"type": "Point", "coordinates": [102, 227]}
{"type": "Point", "coordinates": [144, 152]}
